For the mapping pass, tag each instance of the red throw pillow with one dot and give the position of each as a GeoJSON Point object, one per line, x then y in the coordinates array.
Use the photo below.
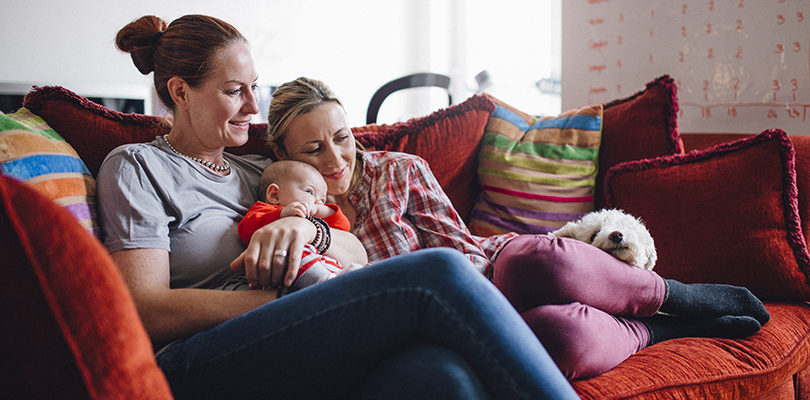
{"type": "Point", "coordinates": [447, 139]}
{"type": "Point", "coordinates": [725, 215]}
{"type": "Point", "coordinates": [94, 130]}
{"type": "Point", "coordinates": [801, 144]}
{"type": "Point", "coordinates": [644, 125]}
{"type": "Point", "coordinates": [70, 328]}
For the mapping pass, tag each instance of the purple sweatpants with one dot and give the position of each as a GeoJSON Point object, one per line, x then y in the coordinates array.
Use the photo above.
{"type": "Point", "coordinates": [576, 298]}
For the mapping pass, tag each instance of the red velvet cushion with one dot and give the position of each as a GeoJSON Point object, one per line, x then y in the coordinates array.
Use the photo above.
{"type": "Point", "coordinates": [94, 130]}
{"type": "Point", "coordinates": [69, 326]}
{"type": "Point", "coordinates": [448, 140]}
{"type": "Point", "coordinates": [801, 143]}
{"type": "Point", "coordinates": [693, 368]}
{"type": "Point", "coordinates": [802, 146]}
{"type": "Point", "coordinates": [644, 125]}
{"type": "Point", "coordinates": [725, 215]}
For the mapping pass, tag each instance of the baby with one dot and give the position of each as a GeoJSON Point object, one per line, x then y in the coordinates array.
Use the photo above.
{"type": "Point", "coordinates": [296, 189]}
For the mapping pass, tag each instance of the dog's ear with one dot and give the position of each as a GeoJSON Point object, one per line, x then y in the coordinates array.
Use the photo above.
{"type": "Point", "coordinates": [652, 256]}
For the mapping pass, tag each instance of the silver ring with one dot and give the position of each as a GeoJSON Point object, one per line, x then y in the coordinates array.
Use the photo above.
{"type": "Point", "coordinates": [280, 253]}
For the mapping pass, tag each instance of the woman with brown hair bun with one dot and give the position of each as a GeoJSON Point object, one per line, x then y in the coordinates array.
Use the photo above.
{"type": "Point", "coordinates": [425, 325]}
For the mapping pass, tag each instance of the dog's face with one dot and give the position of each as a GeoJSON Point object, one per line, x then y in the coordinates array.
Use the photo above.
{"type": "Point", "coordinates": [621, 235]}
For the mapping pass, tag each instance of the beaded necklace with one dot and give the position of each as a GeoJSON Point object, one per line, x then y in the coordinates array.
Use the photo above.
{"type": "Point", "coordinates": [218, 168]}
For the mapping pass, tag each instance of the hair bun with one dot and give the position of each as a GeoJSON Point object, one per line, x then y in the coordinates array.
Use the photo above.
{"type": "Point", "coordinates": [139, 39]}
{"type": "Point", "coordinates": [157, 37]}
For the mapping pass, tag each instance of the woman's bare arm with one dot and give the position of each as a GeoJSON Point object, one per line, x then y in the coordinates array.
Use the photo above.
{"type": "Point", "coordinates": [168, 313]}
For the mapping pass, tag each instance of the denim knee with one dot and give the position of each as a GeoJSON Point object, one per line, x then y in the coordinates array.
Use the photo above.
{"type": "Point", "coordinates": [442, 265]}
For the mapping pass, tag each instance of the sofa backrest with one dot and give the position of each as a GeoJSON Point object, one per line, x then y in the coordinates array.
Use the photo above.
{"type": "Point", "coordinates": [447, 139]}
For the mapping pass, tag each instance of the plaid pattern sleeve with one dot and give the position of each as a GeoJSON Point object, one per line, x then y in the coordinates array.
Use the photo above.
{"type": "Point", "coordinates": [403, 208]}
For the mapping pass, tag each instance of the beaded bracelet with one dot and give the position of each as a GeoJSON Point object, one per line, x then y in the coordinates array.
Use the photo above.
{"type": "Point", "coordinates": [318, 234]}
{"type": "Point", "coordinates": [323, 236]}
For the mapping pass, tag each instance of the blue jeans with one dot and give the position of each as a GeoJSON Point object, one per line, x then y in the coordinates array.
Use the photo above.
{"type": "Point", "coordinates": [423, 325]}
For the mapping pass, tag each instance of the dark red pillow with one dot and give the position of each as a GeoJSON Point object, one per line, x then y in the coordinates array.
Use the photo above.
{"type": "Point", "coordinates": [644, 125]}
{"type": "Point", "coordinates": [728, 214]}
{"type": "Point", "coordinates": [801, 144]}
{"type": "Point", "coordinates": [69, 325]}
{"type": "Point", "coordinates": [94, 130]}
{"type": "Point", "coordinates": [447, 139]}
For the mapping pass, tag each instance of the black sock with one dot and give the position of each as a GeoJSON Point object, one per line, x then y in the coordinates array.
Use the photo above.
{"type": "Point", "coordinates": [665, 327]}
{"type": "Point", "coordinates": [702, 300]}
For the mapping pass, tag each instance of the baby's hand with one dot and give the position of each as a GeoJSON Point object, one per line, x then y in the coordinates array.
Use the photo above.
{"type": "Point", "coordinates": [322, 211]}
{"type": "Point", "coordinates": [295, 209]}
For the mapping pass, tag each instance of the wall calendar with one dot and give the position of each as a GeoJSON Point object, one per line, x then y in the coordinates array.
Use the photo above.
{"type": "Point", "coordinates": [740, 66]}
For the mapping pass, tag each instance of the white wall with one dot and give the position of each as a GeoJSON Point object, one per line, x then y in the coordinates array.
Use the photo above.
{"type": "Point", "coordinates": [354, 45]}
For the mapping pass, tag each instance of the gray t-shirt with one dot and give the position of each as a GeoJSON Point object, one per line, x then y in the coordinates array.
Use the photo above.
{"type": "Point", "coordinates": [151, 198]}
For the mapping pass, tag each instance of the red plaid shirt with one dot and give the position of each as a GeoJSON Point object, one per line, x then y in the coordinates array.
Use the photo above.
{"type": "Point", "coordinates": [401, 208]}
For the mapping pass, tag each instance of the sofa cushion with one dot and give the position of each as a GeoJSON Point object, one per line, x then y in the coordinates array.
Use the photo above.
{"type": "Point", "coordinates": [699, 368]}
{"type": "Point", "coordinates": [536, 173]}
{"type": "Point", "coordinates": [95, 130]}
{"type": "Point", "coordinates": [644, 125]}
{"type": "Point", "coordinates": [32, 152]}
{"type": "Point", "coordinates": [447, 139]}
{"type": "Point", "coordinates": [725, 215]}
{"type": "Point", "coordinates": [801, 144]}
{"type": "Point", "coordinates": [92, 129]}
{"type": "Point", "coordinates": [70, 328]}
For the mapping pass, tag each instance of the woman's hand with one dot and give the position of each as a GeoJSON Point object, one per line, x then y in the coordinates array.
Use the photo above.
{"type": "Point", "coordinates": [274, 249]}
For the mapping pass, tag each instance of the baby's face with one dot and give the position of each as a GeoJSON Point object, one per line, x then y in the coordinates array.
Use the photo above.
{"type": "Point", "coordinates": [304, 185]}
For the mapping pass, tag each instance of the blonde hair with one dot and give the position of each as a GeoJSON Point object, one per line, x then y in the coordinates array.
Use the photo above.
{"type": "Point", "coordinates": [292, 100]}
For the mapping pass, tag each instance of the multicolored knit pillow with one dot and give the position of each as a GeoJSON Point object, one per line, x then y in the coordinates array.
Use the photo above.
{"type": "Point", "coordinates": [536, 173]}
{"type": "Point", "coordinates": [32, 152]}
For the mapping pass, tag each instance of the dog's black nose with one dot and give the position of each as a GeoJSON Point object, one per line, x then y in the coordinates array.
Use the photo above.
{"type": "Point", "coordinates": [616, 237]}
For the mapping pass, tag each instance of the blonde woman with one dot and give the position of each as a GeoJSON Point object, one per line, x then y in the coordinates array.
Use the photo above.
{"type": "Point", "coordinates": [590, 310]}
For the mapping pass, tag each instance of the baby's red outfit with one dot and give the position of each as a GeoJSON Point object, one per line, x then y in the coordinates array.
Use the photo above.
{"type": "Point", "coordinates": [261, 214]}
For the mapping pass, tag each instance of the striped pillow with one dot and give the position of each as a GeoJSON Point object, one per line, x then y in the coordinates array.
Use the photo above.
{"type": "Point", "coordinates": [536, 173]}
{"type": "Point", "coordinates": [32, 152]}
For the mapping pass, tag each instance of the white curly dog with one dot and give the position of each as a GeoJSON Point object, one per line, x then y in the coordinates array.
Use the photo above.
{"type": "Point", "coordinates": [620, 234]}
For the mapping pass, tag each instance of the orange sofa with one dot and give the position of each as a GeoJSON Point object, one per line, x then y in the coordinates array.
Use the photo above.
{"type": "Point", "coordinates": [70, 329]}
